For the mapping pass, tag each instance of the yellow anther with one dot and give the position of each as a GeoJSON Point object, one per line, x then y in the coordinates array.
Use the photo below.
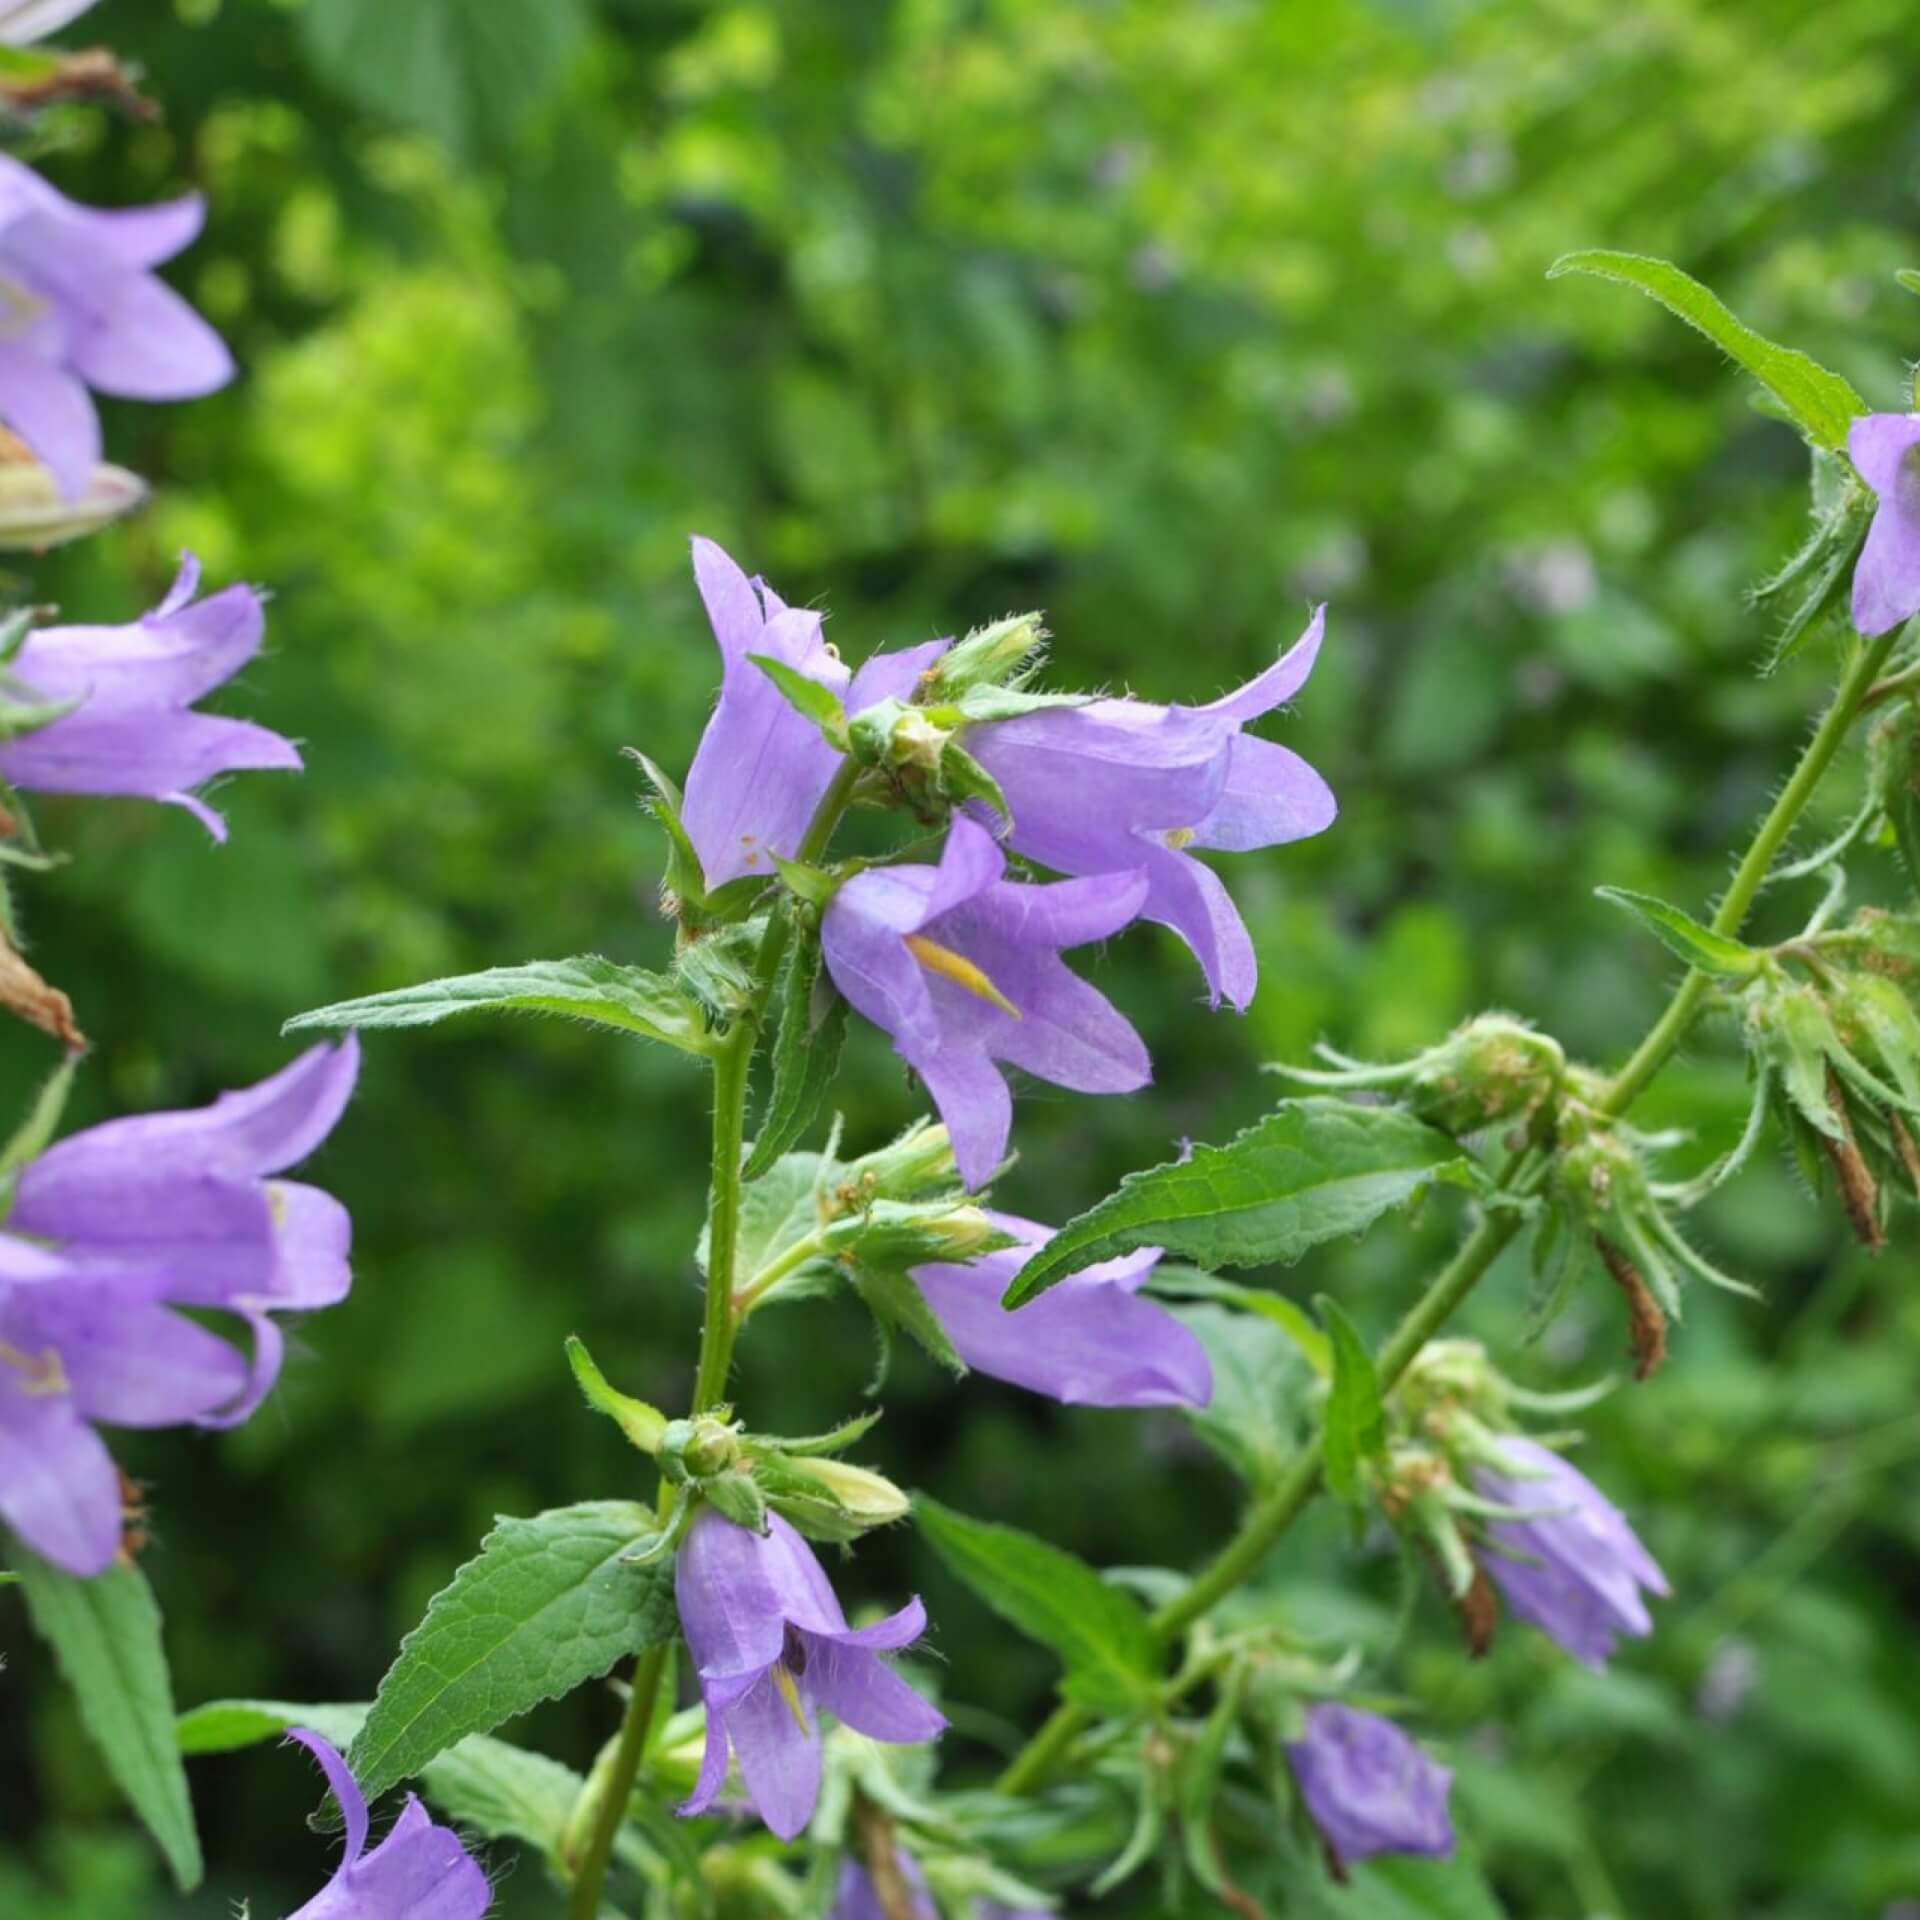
{"type": "Point", "coordinates": [44, 1373]}
{"type": "Point", "coordinates": [1178, 837]}
{"type": "Point", "coordinates": [790, 1693]}
{"type": "Point", "coordinates": [959, 969]}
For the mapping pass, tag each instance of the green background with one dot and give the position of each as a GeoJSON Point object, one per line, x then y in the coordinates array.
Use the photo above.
{"type": "Point", "coordinates": [1170, 320]}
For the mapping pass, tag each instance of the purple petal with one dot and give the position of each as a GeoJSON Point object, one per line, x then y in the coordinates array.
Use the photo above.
{"type": "Point", "coordinates": [342, 1785]}
{"type": "Point", "coordinates": [738, 1591]}
{"type": "Point", "coordinates": [269, 1349]}
{"type": "Point", "coordinates": [198, 1237]}
{"type": "Point", "coordinates": [857, 1687]}
{"type": "Point", "coordinates": [313, 1235]}
{"type": "Point", "coordinates": [140, 755]}
{"type": "Point", "coordinates": [893, 676]}
{"type": "Point", "coordinates": [1271, 797]}
{"type": "Point", "coordinates": [59, 1489]}
{"type": "Point", "coordinates": [1188, 896]}
{"type": "Point", "coordinates": [50, 410]}
{"type": "Point", "coordinates": [970, 863]}
{"type": "Point", "coordinates": [1069, 1032]}
{"type": "Point", "coordinates": [24, 21]}
{"type": "Point", "coordinates": [1878, 445]}
{"type": "Point", "coordinates": [973, 1101]}
{"type": "Point", "coordinates": [1369, 1788]}
{"type": "Point", "coordinates": [129, 236]}
{"type": "Point", "coordinates": [733, 608]}
{"type": "Point", "coordinates": [129, 1363]}
{"type": "Point", "coordinates": [897, 1630]}
{"type": "Point", "coordinates": [1063, 913]}
{"type": "Point", "coordinates": [713, 1766]}
{"type": "Point", "coordinates": [867, 955]}
{"type": "Point", "coordinates": [1280, 682]}
{"type": "Point", "coordinates": [779, 1757]}
{"type": "Point", "coordinates": [418, 1872]}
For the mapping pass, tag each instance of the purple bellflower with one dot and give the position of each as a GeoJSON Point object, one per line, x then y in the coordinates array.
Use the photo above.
{"type": "Point", "coordinates": [963, 969]}
{"type": "Point", "coordinates": [24, 21]}
{"type": "Point", "coordinates": [1574, 1567]}
{"type": "Point", "coordinates": [1369, 1788]}
{"type": "Point", "coordinates": [113, 1228]}
{"type": "Point", "coordinates": [1885, 447]}
{"type": "Point", "coordinates": [772, 1645]}
{"type": "Point", "coordinates": [1122, 784]}
{"type": "Point", "coordinates": [761, 768]}
{"type": "Point", "coordinates": [83, 309]}
{"type": "Point", "coordinates": [854, 1897]}
{"type": "Point", "coordinates": [135, 730]}
{"type": "Point", "coordinates": [1090, 1341]}
{"type": "Point", "coordinates": [418, 1872]}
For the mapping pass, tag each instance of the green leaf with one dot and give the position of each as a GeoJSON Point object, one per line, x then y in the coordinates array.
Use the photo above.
{"type": "Point", "coordinates": [963, 778]}
{"type": "Point", "coordinates": [1260, 1388]}
{"type": "Point", "coordinates": [466, 71]}
{"type": "Point", "coordinates": [1189, 1283]}
{"type": "Point", "coordinates": [807, 697]}
{"type": "Point", "coordinates": [500, 1791]}
{"type": "Point", "coordinates": [587, 988]}
{"type": "Point", "coordinates": [1356, 1421]}
{"type": "Point", "coordinates": [893, 1297]}
{"type": "Point", "coordinates": [1099, 1632]}
{"type": "Point", "coordinates": [549, 1604]}
{"type": "Point", "coordinates": [1698, 946]}
{"type": "Point", "coordinates": [32, 1136]}
{"type": "Point", "coordinates": [1314, 1170]}
{"type": "Point", "coordinates": [645, 1426]}
{"type": "Point", "coordinates": [1822, 403]}
{"type": "Point", "coordinates": [806, 1054]}
{"type": "Point", "coordinates": [685, 878]}
{"type": "Point", "coordinates": [105, 1634]}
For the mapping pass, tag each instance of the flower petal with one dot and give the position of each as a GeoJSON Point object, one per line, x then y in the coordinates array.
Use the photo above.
{"type": "Point", "coordinates": [1188, 896]}
{"type": "Point", "coordinates": [313, 1235]}
{"type": "Point", "coordinates": [867, 955]}
{"type": "Point", "coordinates": [51, 411]}
{"type": "Point", "coordinates": [1271, 797]}
{"type": "Point", "coordinates": [342, 1785]}
{"type": "Point", "coordinates": [140, 755]}
{"type": "Point", "coordinates": [734, 1595]}
{"type": "Point", "coordinates": [897, 1630]}
{"type": "Point", "coordinates": [1062, 913]}
{"type": "Point", "coordinates": [713, 1766]}
{"type": "Point", "coordinates": [129, 1363]}
{"type": "Point", "coordinates": [1070, 1033]}
{"type": "Point", "coordinates": [1280, 682]}
{"type": "Point", "coordinates": [419, 1872]}
{"type": "Point", "coordinates": [893, 676]}
{"type": "Point", "coordinates": [858, 1687]}
{"type": "Point", "coordinates": [779, 1757]}
{"type": "Point", "coordinates": [59, 1489]}
{"type": "Point", "coordinates": [973, 1101]}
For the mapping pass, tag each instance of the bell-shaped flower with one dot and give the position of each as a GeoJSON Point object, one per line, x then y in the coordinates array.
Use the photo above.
{"type": "Point", "coordinates": [1121, 784]}
{"type": "Point", "coordinates": [962, 967]}
{"type": "Point", "coordinates": [109, 1232]}
{"type": "Point", "coordinates": [1369, 1788]}
{"type": "Point", "coordinates": [856, 1898]}
{"type": "Point", "coordinates": [771, 1647]}
{"type": "Point", "coordinates": [133, 729]}
{"type": "Point", "coordinates": [762, 767]}
{"type": "Point", "coordinates": [418, 1872]}
{"type": "Point", "coordinates": [1573, 1566]}
{"type": "Point", "coordinates": [84, 310]}
{"type": "Point", "coordinates": [1885, 447]}
{"type": "Point", "coordinates": [1091, 1341]}
{"type": "Point", "coordinates": [24, 21]}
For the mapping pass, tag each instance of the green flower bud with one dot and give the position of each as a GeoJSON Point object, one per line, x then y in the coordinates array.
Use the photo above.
{"type": "Point", "coordinates": [34, 515]}
{"type": "Point", "coordinates": [998, 655]}
{"type": "Point", "coordinates": [898, 739]}
{"type": "Point", "coordinates": [869, 1498]}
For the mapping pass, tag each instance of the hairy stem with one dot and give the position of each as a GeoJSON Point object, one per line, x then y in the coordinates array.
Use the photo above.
{"type": "Point", "coordinates": [583, 1900]}
{"type": "Point", "coordinates": [1274, 1512]}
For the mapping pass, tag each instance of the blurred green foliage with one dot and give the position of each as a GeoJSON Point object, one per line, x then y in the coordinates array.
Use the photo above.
{"type": "Point", "coordinates": [1170, 320]}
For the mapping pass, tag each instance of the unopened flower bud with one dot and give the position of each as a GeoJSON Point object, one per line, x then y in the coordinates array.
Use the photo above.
{"type": "Point", "coordinates": [919, 1162]}
{"type": "Point", "coordinates": [869, 1498]}
{"type": "Point", "coordinates": [35, 515]}
{"type": "Point", "coordinates": [996, 655]}
{"type": "Point", "coordinates": [897, 739]}
{"type": "Point", "coordinates": [698, 1449]}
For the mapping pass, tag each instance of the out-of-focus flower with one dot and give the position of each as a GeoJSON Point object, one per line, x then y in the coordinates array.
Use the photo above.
{"type": "Point", "coordinates": [771, 1646]}
{"type": "Point", "coordinates": [1090, 1341]}
{"type": "Point", "coordinates": [24, 21]}
{"type": "Point", "coordinates": [855, 1897]}
{"type": "Point", "coordinates": [1122, 784]}
{"type": "Point", "coordinates": [1573, 1567]}
{"type": "Point", "coordinates": [963, 969]}
{"type": "Point", "coordinates": [1886, 580]}
{"type": "Point", "coordinates": [80, 309]}
{"type": "Point", "coordinates": [134, 729]}
{"type": "Point", "coordinates": [1368, 1787]}
{"type": "Point", "coordinates": [112, 1229]}
{"type": "Point", "coordinates": [418, 1872]}
{"type": "Point", "coordinates": [762, 767]}
{"type": "Point", "coordinates": [36, 515]}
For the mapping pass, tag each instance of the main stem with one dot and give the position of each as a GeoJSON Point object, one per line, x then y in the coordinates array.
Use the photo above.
{"type": "Point", "coordinates": [583, 1901]}
{"type": "Point", "coordinates": [1270, 1516]}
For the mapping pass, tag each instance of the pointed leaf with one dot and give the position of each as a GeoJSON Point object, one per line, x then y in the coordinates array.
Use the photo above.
{"type": "Point", "coordinates": [587, 988]}
{"type": "Point", "coordinates": [1261, 1387]}
{"type": "Point", "coordinates": [1356, 1421]}
{"type": "Point", "coordinates": [1680, 933]}
{"type": "Point", "coordinates": [105, 1634]}
{"type": "Point", "coordinates": [807, 697]}
{"type": "Point", "coordinates": [1314, 1170]}
{"type": "Point", "coordinates": [1821, 402]}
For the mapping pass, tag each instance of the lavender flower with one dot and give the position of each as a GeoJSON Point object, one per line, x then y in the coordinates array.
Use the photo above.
{"type": "Point", "coordinates": [113, 1228]}
{"type": "Point", "coordinates": [1090, 1341]}
{"type": "Point", "coordinates": [1574, 1567]}
{"type": "Point", "coordinates": [83, 310]}
{"type": "Point", "coordinates": [762, 768]}
{"type": "Point", "coordinates": [418, 1872]}
{"type": "Point", "coordinates": [771, 1645]}
{"type": "Point", "coordinates": [1122, 784]}
{"type": "Point", "coordinates": [855, 1898]}
{"type": "Point", "coordinates": [134, 730]}
{"type": "Point", "coordinates": [1886, 581]}
{"type": "Point", "coordinates": [24, 21]}
{"type": "Point", "coordinates": [963, 969]}
{"type": "Point", "coordinates": [1368, 1787]}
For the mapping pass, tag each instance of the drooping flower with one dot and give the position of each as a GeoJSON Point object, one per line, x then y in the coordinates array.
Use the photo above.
{"type": "Point", "coordinates": [761, 767]}
{"type": "Point", "coordinates": [418, 1872]}
{"type": "Point", "coordinates": [1574, 1567]}
{"type": "Point", "coordinates": [1885, 447]}
{"type": "Point", "coordinates": [1369, 1788]}
{"type": "Point", "coordinates": [1122, 784]}
{"type": "Point", "coordinates": [24, 21]}
{"type": "Point", "coordinates": [82, 309]}
{"type": "Point", "coordinates": [112, 1229]}
{"type": "Point", "coordinates": [963, 969]}
{"type": "Point", "coordinates": [1090, 1341]}
{"type": "Point", "coordinates": [134, 729]}
{"type": "Point", "coordinates": [771, 1646]}
{"type": "Point", "coordinates": [856, 1898]}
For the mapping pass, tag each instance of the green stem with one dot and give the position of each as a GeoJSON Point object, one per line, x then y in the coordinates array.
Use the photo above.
{"type": "Point", "coordinates": [1270, 1516]}
{"type": "Point", "coordinates": [731, 1066]}
{"type": "Point", "coordinates": [776, 1270]}
{"type": "Point", "coordinates": [583, 1899]}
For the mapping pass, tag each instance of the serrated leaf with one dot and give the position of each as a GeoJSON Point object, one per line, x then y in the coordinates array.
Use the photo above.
{"type": "Point", "coordinates": [1314, 1170]}
{"type": "Point", "coordinates": [1189, 1283]}
{"type": "Point", "coordinates": [807, 697]}
{"type": "Point", "coordinates": [1680, 933]}
{"type": "Point", "coordinates": [1260, 1388]}
{"type": "Point", "coordinates": [1821, 402]}
{"type": "Point", "coordinates": [105, 1634]}
{"type": "Point", "coordinates": [806, 1053]}
{"type": "Point", "coordinates": [1356, 1420]}
{"type": "Point", "coordinates": [1099, 1632]}
{"type": "Point", "coordinates": [586, 988]}
{"type": "Point", "coordinates": [893, 1297]}
{"type": "Point", "coordinates": [548, 1604]}
{"type": "Point", "coordinates": [1822, 591]}
{"type": "Point", "coordinates": [495, 1789]}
